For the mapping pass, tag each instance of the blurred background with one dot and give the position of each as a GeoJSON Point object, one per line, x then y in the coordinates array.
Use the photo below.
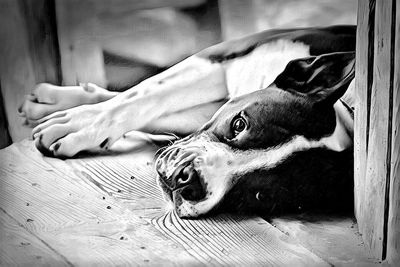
{"type": "Point", "coordinates": [118, 43]}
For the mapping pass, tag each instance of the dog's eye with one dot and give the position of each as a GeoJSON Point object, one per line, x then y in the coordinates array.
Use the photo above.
{"type": "Point", "coordinates": [238, 125]}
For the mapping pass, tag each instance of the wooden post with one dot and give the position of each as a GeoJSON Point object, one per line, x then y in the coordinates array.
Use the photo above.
{"type": "Point", "coordinates": [376, 129]}
{"type": "Point", "coordinates": [28, 55]}
{"type": "Point", "coordinates": [81, 56]}
{"type": "Point", "coordinates": [363, 83]}
{"type": "Point", "coordinates": [393, 245]}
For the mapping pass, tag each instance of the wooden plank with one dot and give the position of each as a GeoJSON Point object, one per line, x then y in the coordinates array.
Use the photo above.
{"type": "Point", "coordinates": [363, 84]}
{"type": "Point", "coordinates": [53, 202]}
{"type": "Point", "coordinates": [234, 240]}
{"type": "Point", "coordinates": [334, 239]}
{"type": "Point", "coordinates": [224, 239]}
{"type": "Point", "coordinates": [40, 21]}
{"type": "Point", "coordinates": [393, 245]}
{"type": "Point", "coordinates": [16, 68]}
{"type": "Point", "coordinates": [81, 56]}
{"type": "Point", "coordinates": [19, 247]}
{"type": "Point", "coordinates": [378, 144]}
{"type": "Point", "coordinates": [28, 55]}
{"type": "Point", "coordinates": [67, 210]}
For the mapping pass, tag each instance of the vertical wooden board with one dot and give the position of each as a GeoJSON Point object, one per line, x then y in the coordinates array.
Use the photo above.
{"type": "Point", "coordinates": [42, 36]}
{"type": "Point", "coordinates": [81, 55]}
{"type": "Point", "coordinates": [365, 26]}
{"type": "Point", "coordinates": [17, 73]}
{"type": "Point", "coordinates": [393, 245]}
{"type": "Point", "coordinates": [19, 247]}
{"type": "Point", "coordinates": [28, 52]}
{"type": "Point", "coordinates": [378, 143]}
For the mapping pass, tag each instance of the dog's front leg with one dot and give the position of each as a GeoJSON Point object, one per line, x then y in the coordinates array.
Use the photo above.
{"type": "Point", "coordinates": [184, 122]}
{"type": "Point", "coordinates": [194, 81]}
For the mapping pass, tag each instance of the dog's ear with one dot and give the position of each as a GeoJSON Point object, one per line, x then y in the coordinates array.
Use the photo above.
{"type": "Point", "coordinates": [323, 78]}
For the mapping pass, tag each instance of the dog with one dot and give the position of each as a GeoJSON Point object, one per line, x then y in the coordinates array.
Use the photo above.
{"type": "Point", "coordinates": [274, 125]}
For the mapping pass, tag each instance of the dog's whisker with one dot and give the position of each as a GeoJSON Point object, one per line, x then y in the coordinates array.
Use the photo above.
{"type": "Point", "coordinates": [184, 160]}
{"type": "Point", "coordinates": [173, 154]}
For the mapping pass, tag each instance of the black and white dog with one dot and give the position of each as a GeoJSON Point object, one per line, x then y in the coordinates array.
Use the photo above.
{"type": "Point", "coordinates": [269, 119]}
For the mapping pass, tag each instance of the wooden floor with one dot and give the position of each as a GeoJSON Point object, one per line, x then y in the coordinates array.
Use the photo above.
{"type": "Point", "coordinates": [108, 210]}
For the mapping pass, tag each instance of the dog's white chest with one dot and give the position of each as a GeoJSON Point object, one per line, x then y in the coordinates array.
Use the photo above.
{"type": "Point", "coordinates": [259, 68]}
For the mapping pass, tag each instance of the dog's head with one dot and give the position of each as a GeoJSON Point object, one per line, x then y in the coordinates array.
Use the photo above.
{"type": "Point", "coordinates": [254, 132]}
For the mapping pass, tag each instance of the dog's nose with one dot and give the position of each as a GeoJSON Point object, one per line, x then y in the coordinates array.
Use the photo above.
{"type": "Point", "coordinates": [188, 181]}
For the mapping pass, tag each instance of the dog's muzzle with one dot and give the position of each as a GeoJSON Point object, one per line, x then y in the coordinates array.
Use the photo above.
{"type": "Point", "coordinates": [195, 174]}
{"type": "Point", "coordinates": [178, 176]}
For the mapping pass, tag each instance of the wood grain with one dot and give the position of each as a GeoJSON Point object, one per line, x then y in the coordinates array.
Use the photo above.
{"type": "Point", "coordinates": [393, 246]}
{"type": "Point", "coordinates": [16, 68]}
{"type": "Point", "coordinates": [81, 56]}
{"type": "Point", "coordinates": [363, 84]}
{"type": "Point", "coordinates": [108, 210]}
{"type": "Point", "coordinates": [39, 17]}
{"type": "Point", "coordinates": [50, 200]}
{"type": "Point", "coordinates": [19, 247]}
{"type": "Point", "coordinates": [234, 240]}
{"type": "Point", "coordinates": [333, 238]}
{"type": "Point", "coordinates": [378, 144]}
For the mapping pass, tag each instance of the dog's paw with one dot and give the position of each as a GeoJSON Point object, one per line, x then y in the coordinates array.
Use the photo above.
{"type": "Point", "coordinates": [83, 128]}
{"type": "Point", "coordinates": [46, 99]}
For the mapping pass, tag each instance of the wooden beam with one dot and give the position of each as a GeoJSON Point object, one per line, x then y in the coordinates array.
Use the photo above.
{"type": "Point", "coordinates": [377, 176]}
{"type": "Point", "coordinates": [363, 84]}
{"type": "Point", "coordinates": [376, 151]}
{"type": "Point", "coordinates": [81, 56]}
{"type": "Point", "coordinates": [28, 55]}
{"type": "Point", "coordinates": [40, 22]}
{"type": "Point", "coordinates": [393, 242]}
{"type": "Point", "coordinates": [17, 74]}
{"type": "Point", "coordinates": [20, 52]}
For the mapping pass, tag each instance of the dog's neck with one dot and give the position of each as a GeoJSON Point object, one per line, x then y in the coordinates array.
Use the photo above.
{"type": "Point", "coordinates": [342, 137]}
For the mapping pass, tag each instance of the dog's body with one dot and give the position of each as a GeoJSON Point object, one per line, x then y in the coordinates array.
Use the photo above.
{"type": "Point", "coordinates": [183, 98]}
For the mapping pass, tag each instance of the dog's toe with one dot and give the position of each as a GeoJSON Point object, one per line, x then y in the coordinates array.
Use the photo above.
{"type": "Point", "coordinates": [42, 148]}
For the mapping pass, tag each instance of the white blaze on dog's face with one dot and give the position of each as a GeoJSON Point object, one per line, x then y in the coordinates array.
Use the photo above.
{"type": "Point", "coordinates": [254, 132]}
